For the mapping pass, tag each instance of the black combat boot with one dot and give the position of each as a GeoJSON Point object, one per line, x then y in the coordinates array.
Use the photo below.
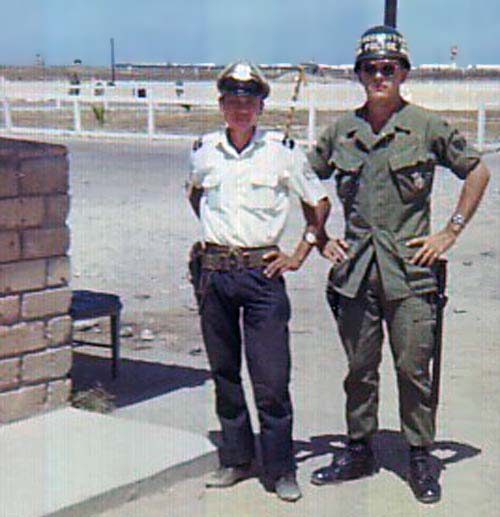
{"type": "Point", "coordinates": [423, 476]}
{"type": "Point", "coordinates": [356, 461]}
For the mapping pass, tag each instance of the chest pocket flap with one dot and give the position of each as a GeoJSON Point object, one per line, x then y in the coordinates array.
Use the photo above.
{"type": "Point", "coordinates": [410, 156]}
{"type": "Point", "coordinates": [412, 168]}
{"type": "Point", "coordinates": [348, 167]}
{"type": "Point", "coordinates": [345, 161]}
{"type": "Point", "coordinates": [211, 181]}
{"type": "Point", "coordinates": [263, 189]}
{"type": "Point", "coordinates": [264, 180]}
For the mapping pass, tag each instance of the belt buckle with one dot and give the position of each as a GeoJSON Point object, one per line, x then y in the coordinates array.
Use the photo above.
{"type": "Point", "coordinates": [233, 255]}
{"type": "Point", "coordinates": [246, 259]}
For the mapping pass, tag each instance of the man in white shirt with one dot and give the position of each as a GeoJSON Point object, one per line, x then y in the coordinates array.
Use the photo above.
{"type": "Point", "coordinates": [240, 184]}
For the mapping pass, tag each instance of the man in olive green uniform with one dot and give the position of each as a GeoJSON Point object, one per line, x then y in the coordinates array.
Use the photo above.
{"type": "Point", "coordinates": [383, 158]}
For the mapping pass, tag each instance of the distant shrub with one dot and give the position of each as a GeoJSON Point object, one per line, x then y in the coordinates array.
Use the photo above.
{"type": "Point", "coordinates": [98, 110]}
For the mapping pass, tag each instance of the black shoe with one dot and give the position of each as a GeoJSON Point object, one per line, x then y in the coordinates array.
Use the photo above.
{"type": "Point", "coordinates": [355, 462]}
{"type": "Point", "coordinates": [287, 488]}
{"type": "Point", "coordinates": [423, 477]}
{"type": "Point", "coordinates": [225, 477]}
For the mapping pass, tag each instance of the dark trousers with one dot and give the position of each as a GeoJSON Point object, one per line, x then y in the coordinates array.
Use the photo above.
{"type": "Point", "coordinates": [410, 325]}
{"type": "Point", "coordinates": [263, 307]}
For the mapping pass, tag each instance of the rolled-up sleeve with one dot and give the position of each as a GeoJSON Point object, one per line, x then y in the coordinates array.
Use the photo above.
{"type": "Point", "coordinates": [194, 177]}
{"type": "Point", "coordinates": [320, 154]}
{"type": "Point", "coordinates": [303, 181]}
{"type": "Point", "coordinates": [451, 148]}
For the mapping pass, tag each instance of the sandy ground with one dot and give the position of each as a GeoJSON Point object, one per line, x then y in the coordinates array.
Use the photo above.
{"type": "Point", "coordinates": [131, 231]}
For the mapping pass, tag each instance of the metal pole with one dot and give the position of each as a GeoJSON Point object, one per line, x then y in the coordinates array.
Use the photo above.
{"type": "Point", "coordinates": [151, 114]}
{"type": "Point", "coordinates": [7, 114]}
{"type": "Point", "coordinates": [311, 123]}
{"type": "Point", "coordinates": [481, 124]}
{"type": "Point", "coordinates": [77, 121]}
{"type": "Point", "coordinates": [391, 8]}
{"type": "Point", "coordinates": [6, 106]}
{"type": "Point", "coordinates": [112, 41]}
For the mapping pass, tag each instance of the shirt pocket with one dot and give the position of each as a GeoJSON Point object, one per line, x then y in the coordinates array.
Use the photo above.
{"type": "Point", "coordinates": [211, 184]}
{"type": "Point", "coordinates": [348, 167]}
{"type": "Point", "coordinates": [412, 169]}
{"type": "Point", "coordinates": [263, 190]}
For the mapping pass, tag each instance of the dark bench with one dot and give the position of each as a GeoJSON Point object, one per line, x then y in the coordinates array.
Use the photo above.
{"type": "Point", "coordinates": [93, 304]}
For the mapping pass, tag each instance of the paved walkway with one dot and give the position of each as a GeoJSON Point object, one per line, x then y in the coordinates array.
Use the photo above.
{"type": "Point", "coordinates": [72, 462]}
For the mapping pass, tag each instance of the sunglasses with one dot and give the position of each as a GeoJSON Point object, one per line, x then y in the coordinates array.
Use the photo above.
{"type": "Point", "coordinates": [385, 69]}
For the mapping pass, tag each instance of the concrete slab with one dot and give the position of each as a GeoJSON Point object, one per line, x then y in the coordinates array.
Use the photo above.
{"type": "Point", "coordinates": [73, 462]}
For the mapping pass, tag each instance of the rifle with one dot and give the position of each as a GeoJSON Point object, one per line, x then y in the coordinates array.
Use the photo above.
{"type": "Point", "coordinates": [301, 78]}
{"type": "Point", "coordinates": [441, 299]}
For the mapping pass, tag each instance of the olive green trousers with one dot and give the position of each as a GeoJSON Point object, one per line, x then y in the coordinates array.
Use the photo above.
{"type": "Point", "coordinates": [410, 325]}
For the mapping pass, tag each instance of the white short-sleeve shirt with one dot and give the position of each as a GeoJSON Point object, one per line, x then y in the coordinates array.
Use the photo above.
{"type": "Point", "coordinates": [246, 196]}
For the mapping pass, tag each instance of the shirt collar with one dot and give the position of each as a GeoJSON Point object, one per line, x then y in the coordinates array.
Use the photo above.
{"type": "Point", "coordinates": [225, 146]}
{"type": "Point", "coordinates": [359, 128]}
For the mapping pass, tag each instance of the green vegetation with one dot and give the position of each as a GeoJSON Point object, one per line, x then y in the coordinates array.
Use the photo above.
{"type": "Point", "coordinates": [99, 111]}
{"type": "Point", "coordinates": [95, 399]}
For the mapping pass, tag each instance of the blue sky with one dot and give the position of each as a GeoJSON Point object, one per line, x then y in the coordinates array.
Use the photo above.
{"type": "Point", "coordinates": [265, 31]}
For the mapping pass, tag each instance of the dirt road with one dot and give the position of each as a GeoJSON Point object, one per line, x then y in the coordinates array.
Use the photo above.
{"type": "Point", "coordinates": [131, 230]}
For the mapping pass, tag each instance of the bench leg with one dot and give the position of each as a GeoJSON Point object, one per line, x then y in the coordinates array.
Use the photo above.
{"type": "Point", "coordinates": [115, 344]}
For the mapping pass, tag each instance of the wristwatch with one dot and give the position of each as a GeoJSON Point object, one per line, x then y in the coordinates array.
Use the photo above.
{"type": "Point", "coordinates": [310, 237]}
{"type": "Point", "coordinates": [457, 221]}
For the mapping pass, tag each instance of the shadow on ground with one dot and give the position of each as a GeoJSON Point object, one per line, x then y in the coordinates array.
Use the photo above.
{"type": "Point", "coordinates": [137, 380]}
{"type": "Point", "coordinates": [390, 448]}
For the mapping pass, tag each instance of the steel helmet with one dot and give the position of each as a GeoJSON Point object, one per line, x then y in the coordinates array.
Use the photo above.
{"type": "Point", "coordinates": [381, 42]}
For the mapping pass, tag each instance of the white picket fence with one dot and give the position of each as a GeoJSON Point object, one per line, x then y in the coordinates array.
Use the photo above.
{"type": "Point", "coordinates": [50, 96]}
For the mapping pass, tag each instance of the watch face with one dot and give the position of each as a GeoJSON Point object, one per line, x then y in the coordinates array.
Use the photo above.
{"type": "Point", "coordinates": [310, 238]}
{"type": "Point", "coordinates": [458, 219]}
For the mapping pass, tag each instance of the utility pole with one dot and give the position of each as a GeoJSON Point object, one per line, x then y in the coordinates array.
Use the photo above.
{"type": "Point", "coordinates": [391, 8]}
{"type": "Point", "coordinates": [112, 42]}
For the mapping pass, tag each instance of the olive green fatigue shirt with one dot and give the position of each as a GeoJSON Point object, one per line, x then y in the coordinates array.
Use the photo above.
{"type": "Point", "coordinates": [384, 182]}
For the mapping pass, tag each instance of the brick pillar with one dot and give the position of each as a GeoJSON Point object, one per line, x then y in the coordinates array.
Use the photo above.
{"type": "Point", "coordinates": [35, 329]}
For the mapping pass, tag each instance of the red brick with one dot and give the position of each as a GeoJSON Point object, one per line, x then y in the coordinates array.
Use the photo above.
{"type": "Point", "coordinates": [45, 242]}
{"type": "Point", "coordinates": [58, 271]}
{"type": "Point", "coordinates": [45, 303]}
{"type": "Point", "coordinates": [10, 246]}
{"type": "Point", "coordinates": [44, 175]}
{"type": "Point", "coordinates": [22, 403]}
{"type": "Point", "coordinates": [21, 338]}
{"type": "Point", "coordinates": [56, 210]}
{"type": "Point", "coordinates": [8, 182]}
{"type": "Point", "coordinates": [49, 364]}
{"type": "Point", "coordinates": [9, 309]}
{"type": "Point", "coordinates": [9, 373]}
{"type": "Point", "coordinates": [16, 148]}
{"type": "Point", "coordinates": [22, 276]}
{"type": "Point", "coordinates": [23, 212]}
{"type": "Point", "coordinates": [58, 393]}
{"type": "Point", "coordinates": [59, 330]}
